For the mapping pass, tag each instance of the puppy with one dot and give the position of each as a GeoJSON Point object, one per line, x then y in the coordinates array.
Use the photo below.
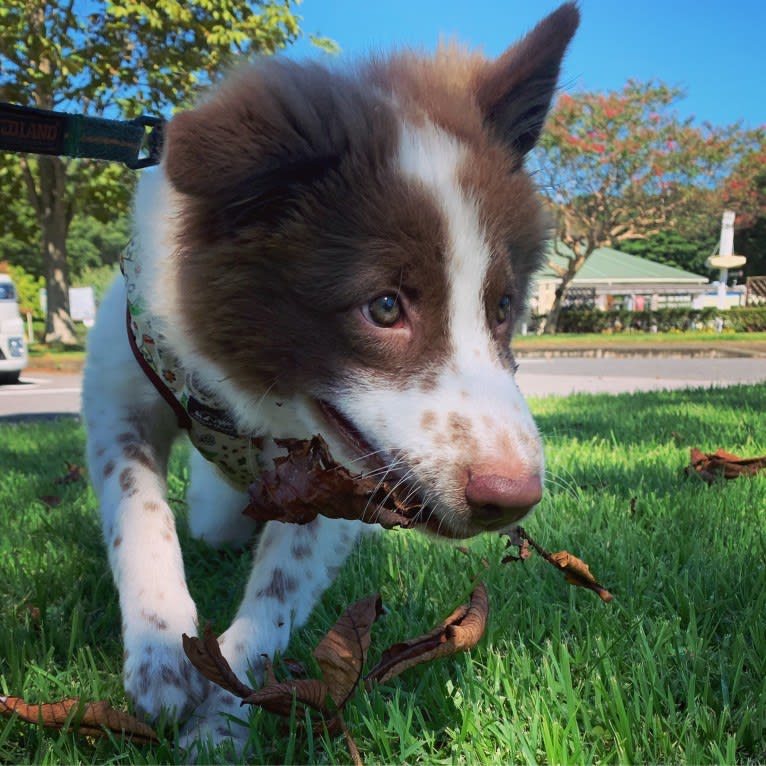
{"type": "Point", "coordinates": [322, 251]}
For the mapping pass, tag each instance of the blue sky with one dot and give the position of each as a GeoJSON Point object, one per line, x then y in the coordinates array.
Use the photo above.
{"type": "Point", "coordinates": [714, 49]}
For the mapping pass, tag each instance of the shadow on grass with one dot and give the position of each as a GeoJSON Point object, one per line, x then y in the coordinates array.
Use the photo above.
{"type": "Point", "coordinates": [689, 417]}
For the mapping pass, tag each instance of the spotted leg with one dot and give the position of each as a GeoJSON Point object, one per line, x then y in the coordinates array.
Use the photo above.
{"type": "Point", "coordinates": [130, 432]}
{"type": "Point", "coordinates": [293, 566]}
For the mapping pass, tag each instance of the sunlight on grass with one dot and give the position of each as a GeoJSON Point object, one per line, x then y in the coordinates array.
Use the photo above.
{"type": "Point", "coordinates": [674, 670]}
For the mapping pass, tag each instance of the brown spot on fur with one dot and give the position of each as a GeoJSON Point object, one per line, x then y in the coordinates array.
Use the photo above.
{"type": "Point", "coordinates": [140, 455]}
{"type": "Point", "coordinates": [428, 420]}
{"type": "Point", "coordinates": [460, 433]}
{"type": "Point", "coordinates": [301, 551]}
{"type": "Point", "coordinates": [154, 620]}
{"type": "Point", "coordinates": [108, 469]}
{"type": "Point", "coordinates": [151, 506]}
{"type": "Point", "coordinates": [277, 588]}
{"type": "Point", "coordinates": [117, 542]}
{"type": "Point", "coordinates": [128, 482]}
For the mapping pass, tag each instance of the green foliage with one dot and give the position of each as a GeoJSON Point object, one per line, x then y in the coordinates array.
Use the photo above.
{"type": "Point", "coordinates": [679, 319]}
{"type": "Point", "coordinates": [671, 248]}
{"type": "Point", "coordinates": [117, 58]}
{"type": "Point", "coordinates": [28, 289]}
{"type": "Point", "coordinates": [97, 277]}
{"type": "Point", "coordinates": [92, 244]}
{"type": "Point", "coordinates": [745, 319]}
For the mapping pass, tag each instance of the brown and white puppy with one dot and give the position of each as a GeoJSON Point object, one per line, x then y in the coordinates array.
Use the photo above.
{"type": "Point", "coordinates": [323, 250]}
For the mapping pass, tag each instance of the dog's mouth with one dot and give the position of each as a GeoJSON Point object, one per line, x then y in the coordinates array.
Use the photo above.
{"type": "Point", "coordinates": [375, 462]}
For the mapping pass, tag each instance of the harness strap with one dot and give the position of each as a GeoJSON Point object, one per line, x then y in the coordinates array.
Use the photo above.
{"type": "Point", "coordinates": [40, 131]}
{"type": "Point", "coordinates": [184, 421]}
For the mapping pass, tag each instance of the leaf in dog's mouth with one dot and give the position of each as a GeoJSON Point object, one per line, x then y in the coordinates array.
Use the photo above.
{"type": "Point", "coordinates": [308, 482]}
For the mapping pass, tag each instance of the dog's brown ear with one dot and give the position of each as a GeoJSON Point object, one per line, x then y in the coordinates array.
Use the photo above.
{"type": "Point", "coordinates": [275, 123]}
{"type": "Point", "coordinates": [515, 90]}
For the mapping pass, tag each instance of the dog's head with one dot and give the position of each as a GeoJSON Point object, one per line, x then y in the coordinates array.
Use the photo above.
{"type": "Point", "coordinates": [354, 247]}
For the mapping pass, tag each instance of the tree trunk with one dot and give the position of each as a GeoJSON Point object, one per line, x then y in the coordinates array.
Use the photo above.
{"type": "Point", "coordinates": [54, 217]}
{"type": "Point", "coordinates": [552, 317]}
{"type": "Point", "coordinates": [574, 264]}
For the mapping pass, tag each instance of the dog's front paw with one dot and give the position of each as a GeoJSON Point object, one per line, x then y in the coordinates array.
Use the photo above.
{"type": "Point", "coordinates": [159, 677]}
{"type": "Point", "coordinates": [220, 721]}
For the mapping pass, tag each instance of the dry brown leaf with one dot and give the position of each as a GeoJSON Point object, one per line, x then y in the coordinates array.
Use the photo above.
{"type": "Point", "coordinates": [91, 719]}
{"type": "Point", "coordinates": [205, 654]}
{"type": "Point", "coordinates": [278, 698]}
{"type": "Point", "coordinates": [457, 633]}
{"type": "Point", "coordinates": [308, 483]}
{"type": "Point", "coordinates": [341, 654]}
{"type": "Point", "coordinates": [516, 538]}
{"type": "Point", "coordinates": [710, 466]}
{"type": "Point", "coordinates": [74, 473]}
{"type": "Point", "coordinates": [32, 613]}
{"type": "Point", "coordinates": [576, 571]}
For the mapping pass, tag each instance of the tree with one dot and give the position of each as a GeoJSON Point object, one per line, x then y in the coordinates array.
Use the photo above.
{"type": "Point", "coordinates": [622, 165]}
{"type": "Point", "coordinates": [124, 58]}
{"type": "Point", "coordinates": [745, 193]}
{"type": "Point", "coordinates": [673, 249]}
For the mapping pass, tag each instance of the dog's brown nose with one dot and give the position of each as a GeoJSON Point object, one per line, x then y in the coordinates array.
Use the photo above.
{"type": "Point", "coordinates": [496, 501]}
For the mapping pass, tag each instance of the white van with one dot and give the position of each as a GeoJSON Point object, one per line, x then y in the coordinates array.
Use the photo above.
{"type": "Point", "coordinates": [13, 348]}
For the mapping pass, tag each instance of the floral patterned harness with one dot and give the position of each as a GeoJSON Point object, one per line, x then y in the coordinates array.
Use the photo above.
{"type": "Point", "coordinates": [210, 427]}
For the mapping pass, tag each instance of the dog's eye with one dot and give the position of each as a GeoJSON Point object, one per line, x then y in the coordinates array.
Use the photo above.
{"type": "Point", "coordinates": [384, 311]}
{"type": "Point", "coordinates": [503, 309]}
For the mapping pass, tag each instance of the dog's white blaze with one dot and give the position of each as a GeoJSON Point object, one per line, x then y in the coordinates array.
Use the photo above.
{"type": "Point", "coordinates": [474, 386]}
{"type": "Point", "coordinates": [467, 253]}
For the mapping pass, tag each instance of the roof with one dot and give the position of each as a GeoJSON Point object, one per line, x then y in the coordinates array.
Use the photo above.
{"type": "Point", "coordinates": [605, 265]}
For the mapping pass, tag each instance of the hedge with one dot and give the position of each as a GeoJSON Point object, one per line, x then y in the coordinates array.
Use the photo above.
{"type": "Point", "coordinates": [678, 319]}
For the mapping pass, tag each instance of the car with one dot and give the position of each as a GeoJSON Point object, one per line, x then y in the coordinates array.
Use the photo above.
{"type": "Point", "coordinates": [13, 347]}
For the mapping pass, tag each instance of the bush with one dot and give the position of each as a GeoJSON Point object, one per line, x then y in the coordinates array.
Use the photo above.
{"type": "Point", "coordinates": [677, 319]}
{"type": "Point", "coordinates": [28, 290]}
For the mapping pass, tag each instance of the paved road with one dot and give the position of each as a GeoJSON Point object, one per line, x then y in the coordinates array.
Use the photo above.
{"type": "Point", "coordinates": [560, 376]}
{"type": "Point", "coordinates": [42, 394]}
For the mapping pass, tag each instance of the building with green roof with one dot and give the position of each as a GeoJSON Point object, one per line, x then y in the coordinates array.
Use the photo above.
{"type": "Point", "coordinates": [613, 279]}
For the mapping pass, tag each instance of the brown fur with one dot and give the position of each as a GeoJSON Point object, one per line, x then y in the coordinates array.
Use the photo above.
{"type": "Point", "coordinates": [294, 214]}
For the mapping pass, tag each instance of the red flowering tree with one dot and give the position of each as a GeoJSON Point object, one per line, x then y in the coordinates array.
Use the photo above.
{"type": "Point", "coordinates": [622, 165]}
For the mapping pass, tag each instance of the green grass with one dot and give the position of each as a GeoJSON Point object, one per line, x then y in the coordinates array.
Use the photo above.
{"type": "Point", "coordinates": [673, 671]}
{"type": "Point", "coordinates": [631, 338]}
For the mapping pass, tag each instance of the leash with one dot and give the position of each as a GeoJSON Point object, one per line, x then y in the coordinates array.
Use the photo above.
{"type": "Point", "coordinates": [136, 143]}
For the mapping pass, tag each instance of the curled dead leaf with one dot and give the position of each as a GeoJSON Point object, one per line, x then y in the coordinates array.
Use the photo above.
{"type": "Point", "coordinates": [92, 719]}
{"type": "Point", "coordinates": [341, 654]}
{"type": "Point", "coordinates": [712, 465]}
{"type": "Point", "coordinates": [73, 473]}
{"type": "Point", "coordinates": [576, 571]}
{"type": "Point", "coordinates": [205, 654]}
{"type": "Point", "coordinates": [278, 697]}
{"type": "Point", "coordinates": [459, 632]}
{"type": "Point", "coordinates": [308, 482]}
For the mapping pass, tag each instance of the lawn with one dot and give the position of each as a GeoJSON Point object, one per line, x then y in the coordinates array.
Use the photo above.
{"type": "Point", "coordinates": [673, 670]}
{"type": "Point", "coordinates": [634, 339]}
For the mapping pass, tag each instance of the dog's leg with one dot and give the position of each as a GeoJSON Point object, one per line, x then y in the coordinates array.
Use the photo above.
{"type": "Point", "coordinates": [130, 432]}
{"type": "Point", "coordinates": [215, 507]}
{"type": "Point", "coordinates": [293, 567]}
